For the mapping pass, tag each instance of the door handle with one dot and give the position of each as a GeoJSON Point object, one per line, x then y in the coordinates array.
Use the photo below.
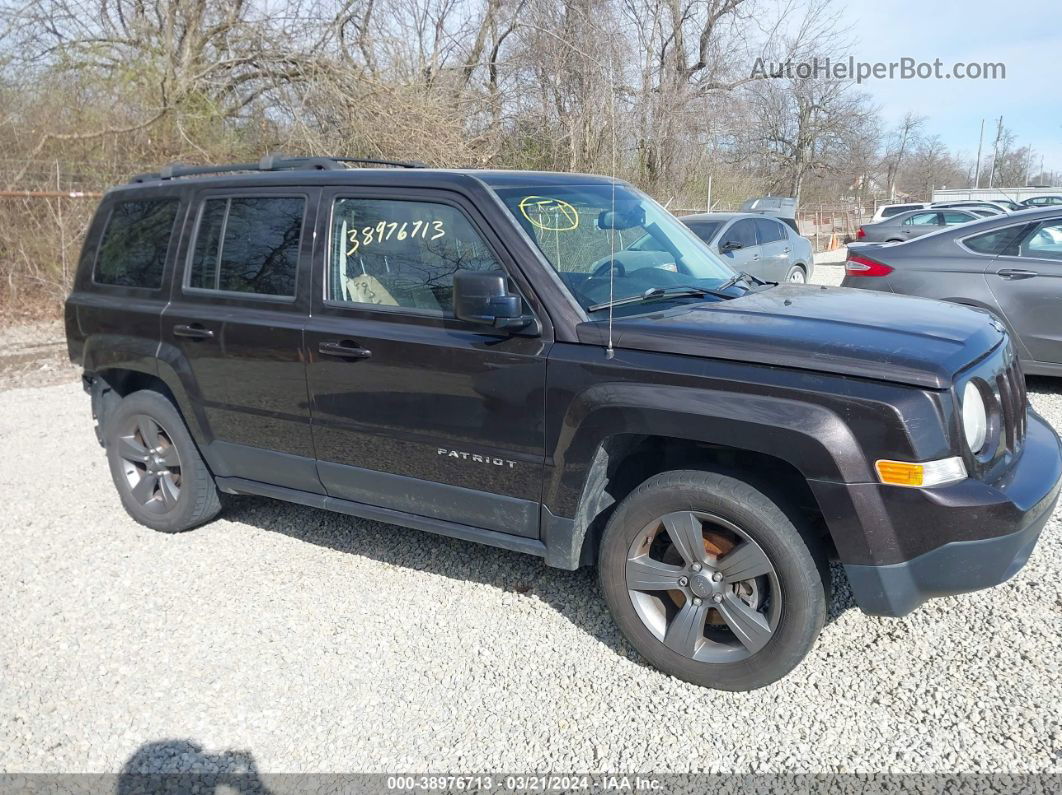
{"type": "Point", "coordinates": [344, 350]}
{"type": "Point", "coordinates": [1016, 273]}
{"type": "Point", "coordinates": [786, 250]}
{"type": "Point", "coordinates": [193, 332]}
{"type": "Point", "coordinates": [755, 256]}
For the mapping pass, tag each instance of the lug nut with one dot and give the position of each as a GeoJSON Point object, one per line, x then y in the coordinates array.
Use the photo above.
{"type": "Point", "coordinates": [717, 598]}
{"type": "Point", "coordinates": [684, 581]}
{"type": "Point", "coordinates": [696, 567]}
{"type": "Point", "coordinates": [717, 577]}
{"type": "Point", "coordinates": [696, 602]}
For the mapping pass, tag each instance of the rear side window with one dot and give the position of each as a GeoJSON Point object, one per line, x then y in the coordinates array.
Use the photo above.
{"type": "Point", "coordinates": [998, 241]}
{"type": "Point", "coordinates": [248, 245]}
{"type": "Point", "coordinates": [952, 218]}
{"type": "Point", "coordinates": [133, 248]}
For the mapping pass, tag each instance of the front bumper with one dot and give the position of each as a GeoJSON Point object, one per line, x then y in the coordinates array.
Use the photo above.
{"type": "Point", "coordinates": [968, 536]}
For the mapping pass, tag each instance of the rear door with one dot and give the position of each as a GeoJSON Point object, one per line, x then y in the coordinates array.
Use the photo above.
{"type": "Point", "coordinates": [233, 332]}
{"type": "Point", "coordinates": [414, 410]}
{"type": "Point", "coordinates": [1027, 282]}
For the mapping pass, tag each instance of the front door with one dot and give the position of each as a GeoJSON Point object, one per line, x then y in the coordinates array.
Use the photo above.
{"type": "Point", "coordinates": [233, 333]}
{"type": "Point", "coordinates": [414, 410]}
{"type": "Point", "coordinates": [746, 256]}
{"type": "Point", "coordinates": [1027, 282]}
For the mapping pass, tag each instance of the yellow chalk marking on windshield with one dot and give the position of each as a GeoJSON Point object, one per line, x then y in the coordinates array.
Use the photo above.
{"type": "Point", "coordinates": [551, 215]}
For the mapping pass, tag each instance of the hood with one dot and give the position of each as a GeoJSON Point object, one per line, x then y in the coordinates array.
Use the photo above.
{"type": "Point", "coordinates": [884, 336]}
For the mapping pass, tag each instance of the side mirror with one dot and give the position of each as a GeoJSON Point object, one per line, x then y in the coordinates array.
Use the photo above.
{"type": "Point", "coordinates": [484, 298]}
{"type": "Point", "coordinates": [729, 245]}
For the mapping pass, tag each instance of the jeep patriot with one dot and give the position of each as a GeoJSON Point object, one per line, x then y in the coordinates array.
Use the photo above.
{"type": "Point", "coordinates": [553, 364]}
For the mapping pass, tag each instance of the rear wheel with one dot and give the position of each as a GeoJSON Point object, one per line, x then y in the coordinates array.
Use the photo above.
{"type": "Point", "coordinates": [796, 275]}
{"type": "Point", "coordinates": [711, 582]}
{"type": "Point", "coordinates": [160, 476]}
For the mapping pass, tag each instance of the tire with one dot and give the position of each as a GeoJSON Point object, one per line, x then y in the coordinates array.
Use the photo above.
{"type": "Point", "coordinates": [164, 484]}
{"type": "Point", "coordinates": [789, 600]}
{"type": "Point", "coordinates": [797, 275]}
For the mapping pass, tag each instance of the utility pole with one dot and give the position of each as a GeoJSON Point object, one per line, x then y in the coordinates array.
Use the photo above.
{"type": "Point", "coordinates": [995, 153]}
{"type": "Point", "coordinates": [980, 143]}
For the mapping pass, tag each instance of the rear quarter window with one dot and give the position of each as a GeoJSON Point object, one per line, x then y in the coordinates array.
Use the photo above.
{"type": "Point", "coordinates": [133, 247]}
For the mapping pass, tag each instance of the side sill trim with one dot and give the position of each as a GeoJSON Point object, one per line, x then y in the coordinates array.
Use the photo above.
{"type": "Point", "coordinates": [529, 546]}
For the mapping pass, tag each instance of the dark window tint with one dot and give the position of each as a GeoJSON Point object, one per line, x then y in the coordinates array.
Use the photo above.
{"type": "Point", "coordinates": [997, 241]}
{"type": "Point", "coordinates": [769, 231]}
{"type": "Point", "coordinates": [132, 252]}
{"type": "Point", "coordinates": [705, 230]}
{"type": "Point", "coordinates": [248, 245]}
{"type": "Point", "coordinates": [743, 232]}
{"type": "Point", "coordinates": [402, 253]}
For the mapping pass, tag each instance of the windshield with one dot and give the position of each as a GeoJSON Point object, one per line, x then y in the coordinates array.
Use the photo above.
{"type": "Point", "coordinates": [594, 234]}
{"type": "Point", "coordinates": [705, 230]}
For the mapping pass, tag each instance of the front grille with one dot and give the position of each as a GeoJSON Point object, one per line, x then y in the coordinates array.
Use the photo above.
{"type": "Point", "coordinates": [1013, 400]}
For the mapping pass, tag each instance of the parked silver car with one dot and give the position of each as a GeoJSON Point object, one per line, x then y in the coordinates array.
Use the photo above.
{"type": "Point", "coordinates": [764, 246]}
{"type": "Point", "coordinates": [1010, 265]}
{"type": "Point", "coordinates": [916, 223]}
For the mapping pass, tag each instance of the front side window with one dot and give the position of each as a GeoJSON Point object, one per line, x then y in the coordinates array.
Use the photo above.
{"type": "Point", "coordinates": [401, 253]}
{"type": "Point", "coordinates": [769, 231]}
{"type": "Point", "coordinates": [608, 242]}
{"type": "Point", "coordinates": [922, 219]}
{"type": "Point", "coordinates": [132, 252]}
{"type": "Point", "coordinates": [743, 233]}
{"type": "Point", "coordinates": [1044, 242]}
{"type": "Point", "coordinates": [248, 245]}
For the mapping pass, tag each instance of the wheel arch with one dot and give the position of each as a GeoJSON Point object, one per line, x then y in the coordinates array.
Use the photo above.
{"type": "Point", "coordinates": [778, 443]}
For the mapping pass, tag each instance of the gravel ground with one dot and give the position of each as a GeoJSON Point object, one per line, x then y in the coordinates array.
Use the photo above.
{"type": "Point", "coordinates": [303, 641]}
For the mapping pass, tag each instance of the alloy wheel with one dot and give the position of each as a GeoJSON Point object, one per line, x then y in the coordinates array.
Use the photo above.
{"type": "Point", "coordinates": [151, 464]}
{"type": "Point", "coordinates": [703, 587]}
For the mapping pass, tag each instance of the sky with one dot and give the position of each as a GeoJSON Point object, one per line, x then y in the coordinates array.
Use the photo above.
{"type": "Point", "coordinates": [1025, 35]}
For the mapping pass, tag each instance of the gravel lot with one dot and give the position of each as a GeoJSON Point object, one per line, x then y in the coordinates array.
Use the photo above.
{"type": "Point", "coordinates": [307, 641]}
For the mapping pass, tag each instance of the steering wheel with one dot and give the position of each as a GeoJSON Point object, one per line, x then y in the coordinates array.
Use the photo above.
{"type": "Point", "coordinates": [602, 270]}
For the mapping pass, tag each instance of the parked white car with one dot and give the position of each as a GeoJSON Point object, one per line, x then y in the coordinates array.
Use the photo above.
{"type": "Point", "coordinates": [889, 210]}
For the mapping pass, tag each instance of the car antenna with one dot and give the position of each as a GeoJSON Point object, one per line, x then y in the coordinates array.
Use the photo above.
{"type": "Point", "coordinates": [610, 352]}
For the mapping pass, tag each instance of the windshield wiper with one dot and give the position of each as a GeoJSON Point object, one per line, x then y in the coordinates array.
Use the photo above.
{"type": "Point", "coordinates": [656, 293]}
{"type": "Point", "coordinates": [743, 276]}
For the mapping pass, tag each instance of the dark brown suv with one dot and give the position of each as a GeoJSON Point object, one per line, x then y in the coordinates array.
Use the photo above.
{"type": "Point", "coordinates": [488, 355]}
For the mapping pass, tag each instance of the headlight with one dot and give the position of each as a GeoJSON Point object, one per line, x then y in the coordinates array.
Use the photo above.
{"type": "Point", "coordinates": [974, 417]}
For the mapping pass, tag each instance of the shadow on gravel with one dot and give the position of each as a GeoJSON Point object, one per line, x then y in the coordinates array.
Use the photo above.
{"type": "Point", "coordinates": [181, 766]}
{"type": "Point", "coordinates": [575, 595]}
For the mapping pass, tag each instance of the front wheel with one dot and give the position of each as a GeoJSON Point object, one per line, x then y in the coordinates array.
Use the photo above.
{"type": "Point", "coordinates": [711, 582]}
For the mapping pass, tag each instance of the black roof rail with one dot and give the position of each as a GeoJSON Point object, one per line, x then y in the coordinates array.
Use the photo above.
{"type": "Point", "coordinates": [272, 163]}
